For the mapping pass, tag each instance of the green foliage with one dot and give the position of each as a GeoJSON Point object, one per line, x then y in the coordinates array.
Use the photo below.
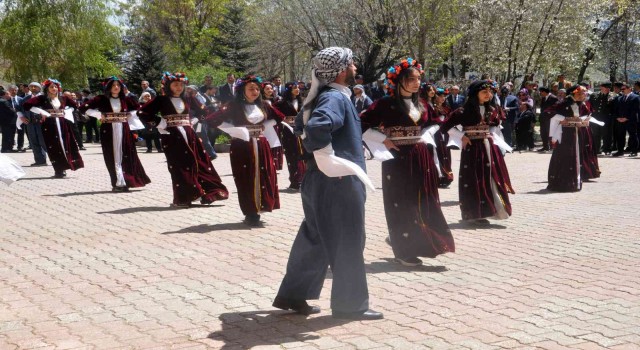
{"type": "Point", "coordinates": [219, 74]}
{"type": "Point", "coordinates": [70, 40]}
{"type": "Point", "coordinates": [232, 40]}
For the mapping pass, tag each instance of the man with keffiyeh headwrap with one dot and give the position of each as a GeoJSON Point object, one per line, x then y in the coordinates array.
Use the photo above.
{"type": "Point", "coordinates": [332, 233]}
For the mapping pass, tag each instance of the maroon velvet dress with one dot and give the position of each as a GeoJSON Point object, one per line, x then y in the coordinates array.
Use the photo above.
{"type": "Point", "coordinates": [252, 163]}
{"type": "Point", "coordinates": [415, 221]}
{"type": "Point", "coordinates": [127, 162]}
{"type": "Point", "coordinates": [63, 154]}
{"type": "Point", "coordinates": [573, 159]}
{"type": "Point", "coordinates": [277, 152]}
{"type": "Point", "coordinates": [484, 183]}
{"type": "Point", "coordinates": [292, 145]}
{"type": "Point", "coordinates": [192, 174]}
{"type": "Point", "coordinates": [437, 115]}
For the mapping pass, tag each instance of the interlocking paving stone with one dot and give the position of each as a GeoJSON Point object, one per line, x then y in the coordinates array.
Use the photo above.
{"type": "Point", "coordinates": [84, 268]}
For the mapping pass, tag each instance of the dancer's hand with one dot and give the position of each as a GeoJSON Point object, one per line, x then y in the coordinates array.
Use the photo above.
{"type": "Point", "coordinates": [465, 142]}
{"type": "Point", "coordinates": [389, 144]}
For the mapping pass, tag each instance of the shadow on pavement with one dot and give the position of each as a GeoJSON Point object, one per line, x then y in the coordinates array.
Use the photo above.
{"type": "Point", "coordinates": [70, 194]}
{"type": "Point", "coordinates": [389, 265]}
{"type": "Point", "coordinates": [246, 330]}
{"type": "Point", "coordinates": [449, 204]}
{"type": "Point", "coordinates": [205, 228]}
{"type": "Point", "coordinates": [151, 209]}
{"type": "Point", "coordinates": [470, 226]}
{"type": "Point", "coordinates": [540, 191]}
{"type": "Point", "coordinates": [37, 178]}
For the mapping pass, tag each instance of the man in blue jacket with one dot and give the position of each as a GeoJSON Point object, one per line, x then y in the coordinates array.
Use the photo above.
{"type": "Point", "coordinates": [332, 232]}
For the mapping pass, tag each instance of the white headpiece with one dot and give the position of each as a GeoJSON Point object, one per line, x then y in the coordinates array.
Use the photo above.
{"type": "Point", "coordinates": [327, 64]}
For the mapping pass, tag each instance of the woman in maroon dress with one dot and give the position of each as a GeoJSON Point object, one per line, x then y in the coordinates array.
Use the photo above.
{"type": "Point", "coordinates": [484, 183]}
{"type": "Point", "coordinates": [416, 224]}
{"type": "Point", "coordinates": [268, 96]}
{"type": "Point", "coordinates": [251, 160]}
{"type": "Point", "coordinates": [438, 112]}
{"type": "Point", "coordinates": [571, 161]}
{"type": "Point", "coordinates": [56, 129]}
{"type": "Point", "coordinates": [113, 108]}
{"type": "Point", "coordinates": [192, 174]}
{"type": "Point", "coordinates": [290, 105]}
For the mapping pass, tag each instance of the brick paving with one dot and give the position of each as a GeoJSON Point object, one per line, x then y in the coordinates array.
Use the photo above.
{"type": "Point", "coordinates": [84, 268]}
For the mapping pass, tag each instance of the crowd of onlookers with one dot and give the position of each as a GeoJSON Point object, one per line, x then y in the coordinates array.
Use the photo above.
{"type": "Point", "coordinates": [614, 104]}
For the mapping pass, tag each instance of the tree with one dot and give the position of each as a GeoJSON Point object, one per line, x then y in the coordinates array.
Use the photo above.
{"type": "Point", "coordinates": [145, 59]}
{"type": "Point", "coordinates": [70, 40]}
{"type": "Point", "coordinates": [233, 41]}
{"type": "Point", "coordinates": [188, 29]}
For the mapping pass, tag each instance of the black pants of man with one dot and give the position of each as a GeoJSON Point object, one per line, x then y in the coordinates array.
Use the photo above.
{"type": "Point", "coordinates": [597, 133]}
{"type": "Point", "coordinates": [20, 133]}
{"type": "Point", "coordinates": [608, 137]}
{"type": "Point", "coordinates": [78, 133]}
{"type": "Point", "coordinates": [8, 136]}
{"type": "Point", "coordinates": [623, 129]}
{"type": "Point", "coordinates": [92, 126]}
{"type": "Point", "coordinates": [545, 121]}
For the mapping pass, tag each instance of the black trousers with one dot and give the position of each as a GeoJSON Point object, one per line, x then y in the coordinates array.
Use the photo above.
{"type": "Point", "coordinates": [545, 121]}
{"type": "Point", "coordinates": [8, 136]}
{"type": "Point", "coordinates": [622, 129]}
{"type": "Point", "coordinates": [92, 126]}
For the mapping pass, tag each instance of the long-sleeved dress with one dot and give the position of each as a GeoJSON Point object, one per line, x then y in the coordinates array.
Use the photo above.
{"type": "Point", "coordinates": [292, 145]}
{"type": "Point", "coordinates": [118, 147]}
{"type": "Point", "coordinates": [58, 132]}
{"type": "Point", "coordinates": [437, 115]}
{"type": "Point", "coordinates": [192, 173]}
{"type": "Point", "coordinates": [410, 181]}
{"type": "Point", "coordinates": [573, 159]}
{"type": "Point", "coordinates": [484, 183]}
{"type": "Point", "coordinates": [252, 163]}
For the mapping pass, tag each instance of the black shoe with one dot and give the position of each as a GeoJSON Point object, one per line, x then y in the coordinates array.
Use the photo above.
{"type": "Point", "coordinates": [618, 154]}
{"type": "Point", "coordinates": [633, 154]}
{"type": "Point", "coordinates": [358, 316]}
{"type": "Point", "coordinates": [148, 151]}
{"type": "Point", "coordinates": [295, 187]}
{"type": "Point", "coordinates": [409, 262]}
{"type": "Point", "coordinates": [39, 164]}
{"type": "Point", "coordinates": [60, 175]}
{"type": "Point", "coordinates": [299, 306]}
{"type": "Point", "coordinates": [160, 151]}
{"type": "Point", "coordinates": [480, 222]}
{"type": "Point", "coordinates": [82, 148]}
{"type": "Point", "coordinates": [180, 205]}
{"type": "Point", "coordinates": [205, 201]}
{"type": "Point", "coordinates": [120, 189]}
{"type": "Point", "coordinates": [542, 150]}
{"type": "Point", "coordinates": [253, 220]}
{"type": "Point", "coordinates": [22, 150]}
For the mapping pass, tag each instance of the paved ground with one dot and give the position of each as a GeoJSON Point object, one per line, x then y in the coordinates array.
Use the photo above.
{"type": "Point", "coordinates": [84, 268]}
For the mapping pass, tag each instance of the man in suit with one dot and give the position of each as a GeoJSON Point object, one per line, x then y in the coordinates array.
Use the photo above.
{"type": "Point", "coordinates": [146, 88]}
{"type": "Point", "coordinates": [509, 104]}
{"type": "Point", "coordinates": [278, 89]}
{"type": "Point", "coordinates": [627, 116]}
{"type": "Point", "coordinates": [16, 104]}
{"type": "Point", "coordinates": [547, 99]}
{"type": "Point", "coordinates": [33, 123]}
{"type": "Point", "coordinates": [378, 91]}
{"type": "Point", "coordinates": [454, 100]}
{"type": "Point", "coordinates": [602, 104]}
{"type": "Point", "coordinates": [8, 118]}
{"type": "Point", "coordinates": [227, 91]}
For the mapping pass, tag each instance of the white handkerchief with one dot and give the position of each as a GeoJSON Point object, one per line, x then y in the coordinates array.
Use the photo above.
{"type": "Point", "coordinates": [234, 131]}
{"type": "Point", "coordinates": [134, 121]}
{"type": "Point", "coordinates": [374, 141]}
{"type": "Point", "coordinates": [334, 166]}
{"type": "Point", "coordinates": [271, 134]}
{"type": "Point", "coordinates": [10, 170]}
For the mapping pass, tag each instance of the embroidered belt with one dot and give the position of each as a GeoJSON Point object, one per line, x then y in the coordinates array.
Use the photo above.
{"type": "Point", "coordinates": [477, 132]}
{"type": "Point", "coordinates": [574, 122]}
{"type": "Point", "coordinates": [115, 117]}
{"type": "Point", "coordinates": [403, 135]}
{"type": "Point", "coordinates": [56, 113]}
{"type": "Point", "coordinates": [177, 120]}
{"type": "Point", "coordinates": [255, 130]}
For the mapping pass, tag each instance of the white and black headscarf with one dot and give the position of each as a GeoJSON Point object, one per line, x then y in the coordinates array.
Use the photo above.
{"type": "Point", "coordinates": [327, 64]}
